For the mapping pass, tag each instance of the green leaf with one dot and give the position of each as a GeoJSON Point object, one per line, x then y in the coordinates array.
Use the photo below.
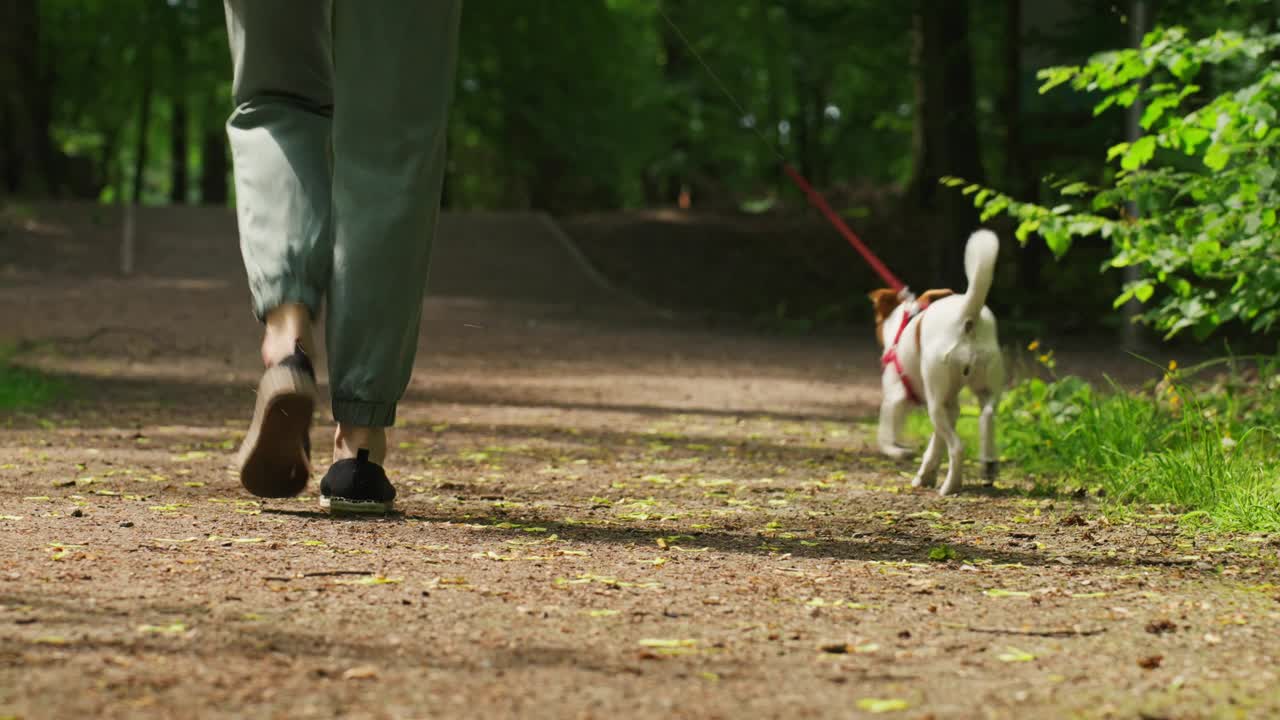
{"type": "Point", "coordinates": [1025, 228]}
{"type": "Point", "coordinates": [1057, 239]}
{"type": "Point", "coordinates": [942, 553]}
{"type": "Point", "coordinates": [1144, 292]}
{"type": "Point", "coordinates": [1217, 156]}
{"type": "Point", "coordinates": [1055, 76]}
{"type": "Point", "coordinates": [1192, 137]}
{"type": "Point", "coordinates": [1140, 153]}
{"type": "Point", "coordinates": [1205, 252]}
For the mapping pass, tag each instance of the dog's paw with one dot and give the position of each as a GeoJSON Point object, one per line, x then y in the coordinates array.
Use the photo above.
{"type": "Point", "coordinates": [922, 481]}
{"type": "Point", "coordinates": [897, 452]}
{"type": "Point", "coordinates": [950, 487]}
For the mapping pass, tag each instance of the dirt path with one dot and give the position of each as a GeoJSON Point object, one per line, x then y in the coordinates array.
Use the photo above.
{"type": "Point", "coordinates": [604, 515]}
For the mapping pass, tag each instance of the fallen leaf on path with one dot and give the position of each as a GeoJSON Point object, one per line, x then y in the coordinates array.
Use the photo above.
{"type": "Point", "coordinates": [942, 553]}
{"type": "Point", "coordinates": [361, 672]}
{"type": "Point", "coordinates": [176, 628]}
{"type": "Point", "coordinates": [882, 705]}
{"type": "Point", "coordinates": [1151, 662]}
{"type": "Point", "coordinates": [997, 592]}
{"type": "Point", "coordinates": [371, 580]}
{"type": "Point", "coordinates": [1013, 654]}
{"type": "Point", "coordinates": [664, 646]}
{"type": "Point", "coordinates": [51, 640]}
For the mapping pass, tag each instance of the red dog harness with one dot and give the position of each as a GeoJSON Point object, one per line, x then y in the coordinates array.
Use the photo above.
{"type": "Point", "coordinates": [890, 356]}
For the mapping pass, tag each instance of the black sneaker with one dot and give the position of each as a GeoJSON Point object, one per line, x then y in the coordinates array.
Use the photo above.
{"type": "Point", "coordinates": [275, 458]}
{"type": "Point", "coordinates": [357, 486]}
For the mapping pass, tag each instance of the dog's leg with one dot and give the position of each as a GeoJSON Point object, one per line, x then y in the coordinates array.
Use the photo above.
{"type": "Point", "coordinates": [944, 417]}
{"type": "Point", "coordinates": [989, 457]}
{"type": "Point", "coordinates": [928, 473]}
{"type": "Point", "coordinates": [893, 413]}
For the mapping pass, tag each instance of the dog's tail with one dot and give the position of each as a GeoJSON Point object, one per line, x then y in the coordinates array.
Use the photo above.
{"type": "Point", "coordinates": [980, 268]}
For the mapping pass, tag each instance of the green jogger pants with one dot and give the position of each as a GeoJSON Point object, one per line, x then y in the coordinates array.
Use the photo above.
{"type": "Point", "coordinates": [338, 145]}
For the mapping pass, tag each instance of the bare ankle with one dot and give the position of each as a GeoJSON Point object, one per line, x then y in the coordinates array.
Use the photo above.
{"type": "Point", "coordinates": [349, 440]}
{"type": "Point", "coordinates": [287, 327]}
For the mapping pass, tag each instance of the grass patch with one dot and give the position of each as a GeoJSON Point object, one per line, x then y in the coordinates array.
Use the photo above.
{"type": "Point", "coordinates": [1199, 441]}
{"type": "Point", "coordinates": [1203, 446]}
{"type": "Point", "coordinates": [23, 388]}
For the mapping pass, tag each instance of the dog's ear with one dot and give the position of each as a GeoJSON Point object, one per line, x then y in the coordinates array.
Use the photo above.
{"type": "Point", "coordinates": [930, 296]}
{"type": "Point", "coordinates": [884, 300]}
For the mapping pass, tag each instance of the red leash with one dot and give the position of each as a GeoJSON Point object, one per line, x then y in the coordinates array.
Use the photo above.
{"type": "Point", "coordinates": [820, 202]}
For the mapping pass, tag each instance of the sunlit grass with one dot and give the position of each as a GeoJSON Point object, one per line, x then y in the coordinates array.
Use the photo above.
{"type": "Point", "coordinates": [23, 388]}
{"type": "Point", "coordinates": [1205, 448]}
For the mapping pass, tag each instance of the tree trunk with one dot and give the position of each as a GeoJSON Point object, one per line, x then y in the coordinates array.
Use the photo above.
{"type": "Point", "coordinates": [675, 74]}
{"type": "Point", "coordinates": [26, 151]}
{"type": "Point", "coordinates": [144, 127]}
{"type": "Point", "coordinates": [947, 130]}
{"type": "Point", "coordinates": [178, 152]}
{"type": "Point", "coordinates": [213, 167]}
{"type": "Point", "coordinates": [178, 138]}
{"type": "Point", "coordinates": [1019, 177]}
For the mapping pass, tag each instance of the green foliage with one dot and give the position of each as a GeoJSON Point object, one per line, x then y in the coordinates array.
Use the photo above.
{"type": "Point", "coordinates": [1205, 242]}
{"type": "Point", "coordinates": [1204, 449]}
{"type": "Point", "coordinates": [626, 114]}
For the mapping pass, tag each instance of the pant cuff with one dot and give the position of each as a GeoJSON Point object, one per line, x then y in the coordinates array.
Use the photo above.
{"type": "Point", "coordinates": [268, 296]}
{"type": "Point", "coordinates": [364, 414]}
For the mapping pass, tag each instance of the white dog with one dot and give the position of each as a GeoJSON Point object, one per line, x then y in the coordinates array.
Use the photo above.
{"type": "Point", "coordinates": [933, 350]}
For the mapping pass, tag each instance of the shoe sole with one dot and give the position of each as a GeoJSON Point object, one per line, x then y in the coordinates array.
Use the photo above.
{"type": "Point", "coordinates": [343, 505]}
{"type": "Point", "coordinates": [272, 460]}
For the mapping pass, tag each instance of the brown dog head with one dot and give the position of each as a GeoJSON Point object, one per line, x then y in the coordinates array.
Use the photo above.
{"type": "Point", "coordinates": [885, 300]}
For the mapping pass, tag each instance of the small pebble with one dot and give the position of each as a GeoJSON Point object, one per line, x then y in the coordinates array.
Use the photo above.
{"type": "Point", "coordinates": [77, 513]}
{"type": "Point", "coordinates": [126, 523]}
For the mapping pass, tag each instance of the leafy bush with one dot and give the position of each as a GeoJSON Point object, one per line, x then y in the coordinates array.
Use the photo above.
{"type": "Point", "coordinates": [1205, 243]}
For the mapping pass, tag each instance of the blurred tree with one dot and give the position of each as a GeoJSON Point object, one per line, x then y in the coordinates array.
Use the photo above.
{"type": "Point", "coordinates": [946, 133]}
{"type": "Point", "coordinates": [27, 163]}
{"type": "Point", "coordinates": [622, 116]}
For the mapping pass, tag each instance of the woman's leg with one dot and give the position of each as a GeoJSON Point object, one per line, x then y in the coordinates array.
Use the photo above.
{"type": "Point", "coordinates": [280, 137]}
{"type": "Point", "coordinates": [394, 74]}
